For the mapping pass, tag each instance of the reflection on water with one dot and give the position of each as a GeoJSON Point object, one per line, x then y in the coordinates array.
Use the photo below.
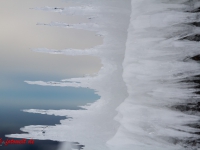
{"type": "Point", "coordinates": [19, 33]}
{"type": "Point", "coordinates": [38, 145]}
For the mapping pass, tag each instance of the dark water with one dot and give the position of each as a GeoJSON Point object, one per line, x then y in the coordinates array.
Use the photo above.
{"type": "Point", "coordinates": [16, 95]}
{"type": "Point", "coordinates": [18, 34]}
{"type": "Point", "coordinates": [20, 95]}
{"type": "Point", "coordinates": [38, 145]}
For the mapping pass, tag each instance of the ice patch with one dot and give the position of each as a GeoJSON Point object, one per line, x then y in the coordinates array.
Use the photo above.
{"type": "Point", "coordinates": [153, 68]}
{"type": "Point", "coordinates": [138, 86]}
{"type": "Point", "coordinates": [95, 125]}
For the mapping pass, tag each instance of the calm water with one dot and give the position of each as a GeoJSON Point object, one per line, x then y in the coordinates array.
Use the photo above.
{"type": "Point", "coordinates": [19, 33]}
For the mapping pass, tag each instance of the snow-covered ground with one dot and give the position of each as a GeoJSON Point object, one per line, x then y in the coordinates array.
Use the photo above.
{"type": "Point", "coordinates": [144, 53]}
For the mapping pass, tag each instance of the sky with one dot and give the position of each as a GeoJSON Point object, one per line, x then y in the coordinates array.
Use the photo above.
{"type": "Point", "coordinates": [19, 33]}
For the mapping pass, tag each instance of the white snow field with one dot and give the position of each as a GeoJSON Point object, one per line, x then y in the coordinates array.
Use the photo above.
{"type": "Point", "coordinates": [140, 81]}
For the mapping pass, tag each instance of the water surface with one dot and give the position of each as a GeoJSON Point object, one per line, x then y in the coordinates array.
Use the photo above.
{"type": "Point", "coordinates": [19, 33]}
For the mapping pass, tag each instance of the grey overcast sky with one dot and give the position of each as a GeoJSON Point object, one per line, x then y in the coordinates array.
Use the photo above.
{"type": "Point", "coordinates": [19, 33]}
